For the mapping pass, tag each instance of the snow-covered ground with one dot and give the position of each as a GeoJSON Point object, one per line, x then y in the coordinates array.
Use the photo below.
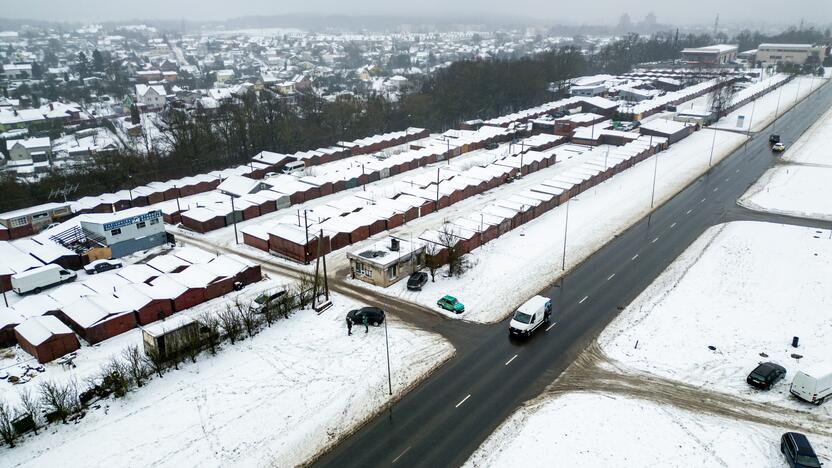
{"type": "Point", "coordinates": [745, 288]}
{"type": "Point", "coordinates": [761, 113]}
{"type": "Point", "coordinates": [800, 186]}
{"type": "Point", "coordinates": [597, 429]}
{"type": "Point", "coordinates": [274, 400]}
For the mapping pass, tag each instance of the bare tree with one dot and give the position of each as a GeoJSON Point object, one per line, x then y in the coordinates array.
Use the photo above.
{"type": "Point", "coordinates": [7, 431]}
{"type": "Point", "coordinates": [134, 364]}
{"type": "Point", "coordinates": [210, 327]}
{"type": "Point", "coordinates": [31, 406]}
{"type": "Point", "coordinates": [56, 398]}
{"type": "Point", "coordinates": [248, 317]}
{"type": "Point", "coordinates": [286, 304]}
{"type": "Point", "coordinates": [432, 261]}
{"type": "Point", "coordinates": [450, 242]}
{"type": "Point", "coordinates": [230, 322]}
{"type": "Point", "coordinates": [721, 97]}
{"type": "Point", "coordinates": [269, 308]}
{"type": "Point", "coordinates": [115, 377]}
{"type": "Point", "coordinates": [306, 286]}
{"type": "Point", "coordinates": [154, 360]}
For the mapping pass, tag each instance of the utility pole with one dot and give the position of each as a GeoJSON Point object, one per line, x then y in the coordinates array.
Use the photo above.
{"type": "Point", "coordinates": [713, 142]}
{"type": "Point", "coordinates": [565, 230]}
{"type": "Point", "coordinates": [5, 299]}
{"type": "Point", "coordinates": [306, 231]}
{"type": "Point", "coordinates": [777, 109]}
{"type": "Point", "coordinates": [234, 217]}
{"type": "Point", "coordinates": [387, 346]}
{"type": "Point", "coordinates": [437, 189]}
{"type": "Point", "coordinates": [655, 171]}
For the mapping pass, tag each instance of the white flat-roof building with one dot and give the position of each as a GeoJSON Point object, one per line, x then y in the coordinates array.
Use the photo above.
{"type": "Point", "coordinates": [710, 56]}
{"type": "Point", "coordinates": [387, 261]}
{"type": "Point", "coordinates": [771, 54]}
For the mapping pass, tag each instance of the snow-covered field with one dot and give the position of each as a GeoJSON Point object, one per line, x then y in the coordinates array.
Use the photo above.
{"type": "Point", "coordinates": [599, 430]}
{"type": "Point", "coordinates": [745, 288]}
{"type": "Point", "coordinates": [800, 186]}
{"type": "Point", "coordinates": [273, 400]}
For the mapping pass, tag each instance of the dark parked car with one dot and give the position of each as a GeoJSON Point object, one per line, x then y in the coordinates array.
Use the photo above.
{"type": "Point", "coordinates": [773, 138]}
{"type": "Point", "coordinates": [375, 316]}
{"type": "Point", "coordinates": [765, 375]}
{"type": "Point", "coordinates": [100, 266]}
{"type": "Point", "coordinates": [492, 146]}
{"type": "Point", "coordinates": [417, 280]}
{"type": "Point", "coordinates": [267, 298]}
{"type": "Point", "coordinates": [798, 451]}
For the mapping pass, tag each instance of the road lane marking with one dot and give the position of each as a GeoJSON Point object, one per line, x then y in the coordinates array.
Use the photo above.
{"type": "Point", "coordinates": [611, 277]}
{"type": "Point", "coordinates": [550, 326]}
{"type": "Point", "coordinates": [702, 201]}
{"type": "Point", "coordinates": [582, 300]}
{"type": "Point", "coordinates": [738, 170]}
{"type": "Point", "coordinates": [654, 240]}
{"type": "Point", "coordinates": [727, 179]}
{"type": "Point", "coordinates": [463, 401]}
{"type": "Point", "coordinates": [688, 212]}
{"type": "Point", "coordinates": [716, 188]}
{"type": "Point", "coordinates": [672, 225]}
{"type": "Point", "coordinates": [401, 454]}
{"type": "Point", "coordinates": [634, 257]}
{"type": "Point", "coordinates": [509, 361]}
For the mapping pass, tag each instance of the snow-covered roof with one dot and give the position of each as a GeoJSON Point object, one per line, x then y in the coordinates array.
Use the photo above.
{"type": "Point", "coordinates": [37, 330]}
{"type": "Point", "coordinates": [166, 263]}
{"type": "Point", "coordinates": [194, 255]}
{"type": "Point", "coordinates": [89, 311]}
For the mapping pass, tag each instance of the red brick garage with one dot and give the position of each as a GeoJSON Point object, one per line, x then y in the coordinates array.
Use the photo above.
{"type": "Point", "coordinates": [46, 338]}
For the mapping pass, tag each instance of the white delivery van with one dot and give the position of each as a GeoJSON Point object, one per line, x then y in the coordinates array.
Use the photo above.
{"type": "Point", "coordinates": [813, 384]}
{"type": "Point", "coordinates": [38, 279]}
{"type": "Point", "coordinates": [293, 167]}
{"type": "Point", "coordinates": [531, 315]}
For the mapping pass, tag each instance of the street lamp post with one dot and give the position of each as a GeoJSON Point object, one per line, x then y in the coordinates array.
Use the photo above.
{"type": "Point", "coordinates": [234, 217]}
{"type": "Point", "coordinates": [655, 172]}
{"type": "Point", "coordinates": [387, 346]}
{"type": "Point", "coordinates": [565, 230]}
{"type": "Point", "coordinates": [713, 142]}
{"type": "Point", "coordinates": [777, 109]}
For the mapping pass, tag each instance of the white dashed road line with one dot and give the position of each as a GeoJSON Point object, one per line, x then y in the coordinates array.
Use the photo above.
{"type": "Point", "coordinates": [582, 300]}
{"type": "Point", "coordinates": [611, 277]}
{"type": "Point", "coordinates": [634, 257]}
{"type": "Point", "coordinates": [401, 455]}
{"type": "Point", "coordinates": [512, 358]}
{"type": "Point", "coordinates": [552, 325]}
{"type": "Point", "coordinates": [463, 401]}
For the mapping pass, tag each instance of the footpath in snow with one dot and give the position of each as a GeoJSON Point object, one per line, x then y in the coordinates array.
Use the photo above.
{"type": "Point", "coordinates": [800, 185]}
{"type": "Point", "coordinates": [597, 429]}
{"type": "Point", "coordinates": [276, 399]}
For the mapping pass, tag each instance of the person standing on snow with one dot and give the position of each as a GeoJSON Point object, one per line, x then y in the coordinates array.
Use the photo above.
{"type": "Point", "coordinates": [366, 324]}
{"type": "Point", "coordinates": [349, 326]}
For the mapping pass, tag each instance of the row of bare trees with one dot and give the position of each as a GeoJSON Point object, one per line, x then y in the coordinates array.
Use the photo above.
{"type": "Point", "coordinates": [132, 368]}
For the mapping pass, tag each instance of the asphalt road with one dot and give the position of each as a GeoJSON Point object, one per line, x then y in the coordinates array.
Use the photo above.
{"type": "Point", "coordinates": [441, 422]}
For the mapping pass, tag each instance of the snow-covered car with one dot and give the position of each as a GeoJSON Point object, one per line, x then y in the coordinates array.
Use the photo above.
{"type": "Point", "coordinates": [778, 147]}
{"type": "Point", "coordinates": [100, 266]}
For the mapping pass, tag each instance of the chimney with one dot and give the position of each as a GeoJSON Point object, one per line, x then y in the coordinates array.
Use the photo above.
{"type": "Point", "coordinates": [394, 244]}
{"type": "Point", "coordinates": [51, 106]}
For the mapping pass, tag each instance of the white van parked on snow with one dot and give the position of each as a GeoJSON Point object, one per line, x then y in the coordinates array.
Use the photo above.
{"type": "Point", "coordinates": [813, 385]}
{"type": "Point", "coordinates": [293, 167]}
{"type": "Point", "coordinates": [531, 315]}
{"type": "Point", "coordinates": [38, 279]}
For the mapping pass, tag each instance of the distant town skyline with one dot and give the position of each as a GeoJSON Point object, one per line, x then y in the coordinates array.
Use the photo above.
{"type": "Point", "coordinates": [598, 12]}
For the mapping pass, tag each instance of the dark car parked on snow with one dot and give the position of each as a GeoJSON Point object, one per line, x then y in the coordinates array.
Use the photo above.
{"type": "Point", "coordinates": [798, 451]}
{"type": "Point", "coordinates": [417, 280]}
{"type": "Point", "coordinates": [100, 266]}
{"type": "Point", "coordinates": [766, 375]}
{"type": "Point", "coordinates": [375, 316]}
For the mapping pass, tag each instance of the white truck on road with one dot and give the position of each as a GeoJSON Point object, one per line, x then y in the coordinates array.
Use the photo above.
{"type": "Point", "coordinates": [530, 316]}
{"type": "Point", "coordinates": [38, 279]}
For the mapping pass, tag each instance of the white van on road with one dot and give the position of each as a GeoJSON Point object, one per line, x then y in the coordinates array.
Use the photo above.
{"type": "Point", "coordinates": [530, 316]}
{"type": "Point", "coordinates": [813, 385]}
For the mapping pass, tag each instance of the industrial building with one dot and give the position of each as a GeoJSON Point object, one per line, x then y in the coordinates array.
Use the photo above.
{"type": "Point", "coordinates": [710, 56]}
{"type": "Point", "coordinates": [800, 54]}
{"type": "Point", "coordinates": [127, 231]}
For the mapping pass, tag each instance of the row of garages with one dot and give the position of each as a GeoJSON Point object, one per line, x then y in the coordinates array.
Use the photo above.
{"type": "Point", "coordinates": [106, 305]}
{"type": "Point", "coordinates": [216, 211]}
{"type": "Point", "coordinates": [475, 229]}
{"type": "Point", "coordinates": [347, 221]}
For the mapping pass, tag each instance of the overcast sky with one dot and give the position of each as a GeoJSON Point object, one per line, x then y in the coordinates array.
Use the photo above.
{"type": "Point", "coordinates": [566, 11]}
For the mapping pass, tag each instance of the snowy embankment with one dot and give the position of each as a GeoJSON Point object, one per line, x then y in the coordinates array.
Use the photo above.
{"type": "Point", "coordinates": [276, 399]}
{"type": "Point", "coordinates": [597, 429]}
{"type": "Point", "coordinates": [745, 288]}
{"type": "Point", "coordinates": [800, 186]}
{"type": "Point", "coordinates": [760, 113]}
